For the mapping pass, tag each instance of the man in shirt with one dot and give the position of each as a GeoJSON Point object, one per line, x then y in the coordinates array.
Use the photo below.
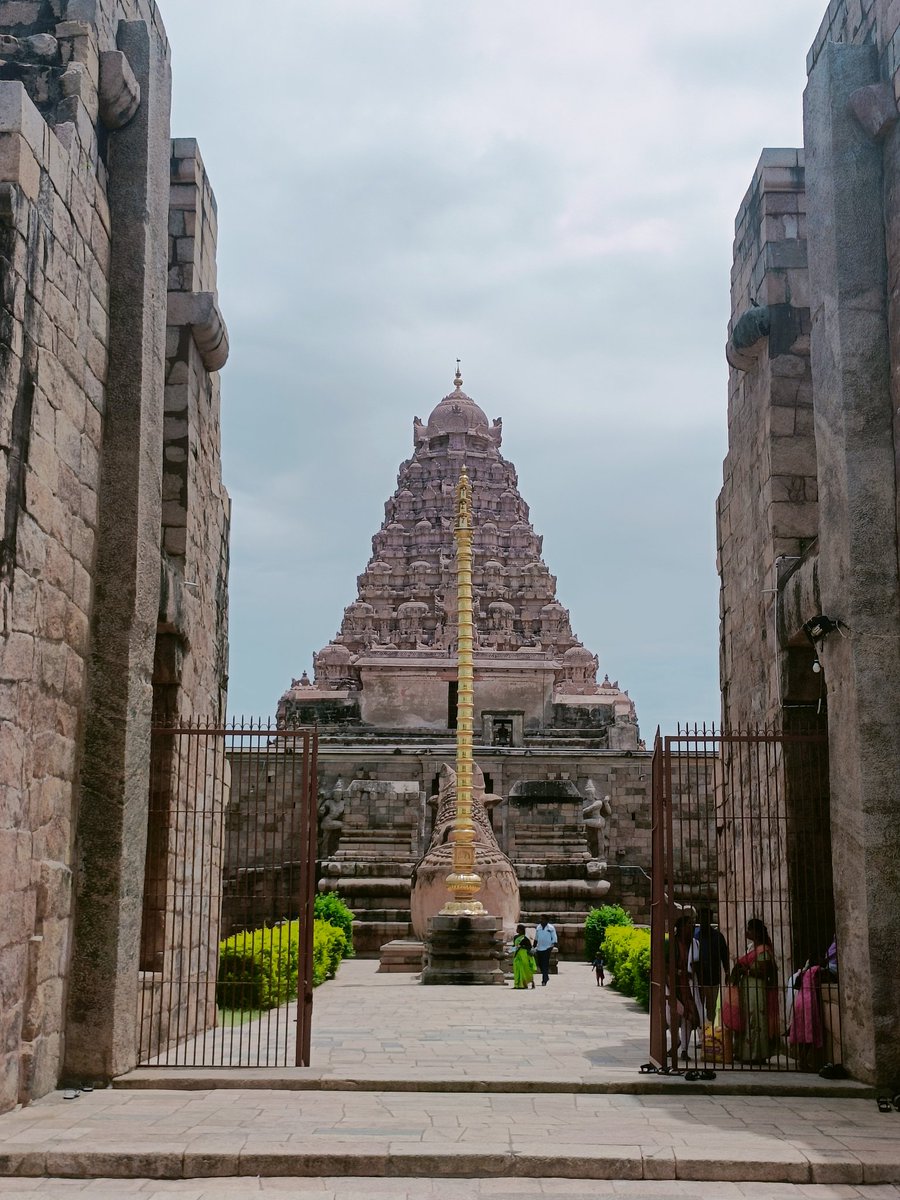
{"type": "Point", "coordinates": [544, 940]}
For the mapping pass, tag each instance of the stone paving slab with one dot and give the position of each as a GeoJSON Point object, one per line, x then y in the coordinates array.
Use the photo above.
{"type": "Point", "coordinates": [166, 1134]}
{"type": "Point", "coordinates": [387, 1032]}
{"type": "Point", "coordinates": [426, 1189]}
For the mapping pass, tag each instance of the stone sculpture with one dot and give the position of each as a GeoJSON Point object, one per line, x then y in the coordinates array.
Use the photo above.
{"type": "Point", "coordinates": [500, 891]}
{"type": "Point", "coordinates": [331, 819]}
{"type": "Point", "coordinates": [596, 815]}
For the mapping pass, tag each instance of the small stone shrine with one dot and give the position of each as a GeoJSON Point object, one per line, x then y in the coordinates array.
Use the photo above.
{"type": "Point", "coordinates": [561, 748]}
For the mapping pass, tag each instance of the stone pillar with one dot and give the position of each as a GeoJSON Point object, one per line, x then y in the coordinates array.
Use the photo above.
{"type": "Point", "coordinates": [112, 821]}
{"type": "Point", "coordinates": [858, 571]}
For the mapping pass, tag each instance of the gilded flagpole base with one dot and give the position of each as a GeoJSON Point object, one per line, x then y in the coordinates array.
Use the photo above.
{"type": "Point", "coordinates": [464, 885]}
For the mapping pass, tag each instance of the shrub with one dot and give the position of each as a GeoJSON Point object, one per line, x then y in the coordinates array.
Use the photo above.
{"type": "Point", "coordinates": [258, 967]}
{"type": "Point", "coordinates": [329, 945]}
{"type": "Point", "coordinates": [626, 951]}
{"type": "Point", "coordinates": [331, 908]}
{"type": "Point", "coordinates": [596, 925]}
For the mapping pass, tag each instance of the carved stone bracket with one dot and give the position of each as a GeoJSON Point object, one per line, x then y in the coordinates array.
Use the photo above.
{"type": "Point", "coordinates": [120, 92]}
{"type": "Point", "coordinates": [875, 108]}
{"type": "Point", "coordinates": [200, 312]}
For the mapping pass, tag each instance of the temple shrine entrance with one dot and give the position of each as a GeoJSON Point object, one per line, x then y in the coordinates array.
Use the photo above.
{"type": "Point", "coordinates": [227, 930]}
{"type": "Point", "coordinates": [743, 960]}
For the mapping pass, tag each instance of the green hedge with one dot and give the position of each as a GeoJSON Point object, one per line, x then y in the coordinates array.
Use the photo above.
{"type": "Point", "coordinates": [258, 967]}
{"type": "Point", "coordinates": [329, 947]}
{"type": "Point", "coordinates": [626, 952]}
{"type": "Point", "coordinates": [598, 919]}
{"type": "Point", "coordinates": [331, 908]}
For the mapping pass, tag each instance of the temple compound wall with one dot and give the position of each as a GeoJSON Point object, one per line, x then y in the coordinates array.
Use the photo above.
{"type": "Point", "coordinates": [808, 514]}
{"type": "Point", "coordinates": [113, 518]}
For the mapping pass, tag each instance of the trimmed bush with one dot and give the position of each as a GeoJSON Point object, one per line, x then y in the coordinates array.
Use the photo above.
{"type": "Point", "coordinates": [331, 908]}
{"type": "Point", "coordinates": [598, 919]}
{"type": "Point", "coordinates": [329, 945]}
{"type": "Point", "coordinates": [258, 967]}
{"type": "Point", "coordinates": [626, 951]}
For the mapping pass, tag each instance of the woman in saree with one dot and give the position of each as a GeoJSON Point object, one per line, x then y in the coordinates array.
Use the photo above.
{"type": "Point", "coordinates": [756, 977]}
{"type": "Point", "coordinates": [523, 963]}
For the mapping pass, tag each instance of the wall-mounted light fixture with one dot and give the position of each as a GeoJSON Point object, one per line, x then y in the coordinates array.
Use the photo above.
{"type": "Point", "coordinates": [818, 628]}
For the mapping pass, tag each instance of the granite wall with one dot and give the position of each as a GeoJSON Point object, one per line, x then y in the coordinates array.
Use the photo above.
{"type": "Point", "coordinates": [85, 156]}
{"type": "Point", "coordinates": [841, 551]}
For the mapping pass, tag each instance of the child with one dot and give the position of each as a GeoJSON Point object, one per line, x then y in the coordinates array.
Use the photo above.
{"type": "Point", "coordinates": [597, 964]}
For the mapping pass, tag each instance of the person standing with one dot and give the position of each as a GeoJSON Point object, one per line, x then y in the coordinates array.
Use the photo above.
{"type": "Point", "coordinates": [712, 962]}
{"type": "Point", "coordinates": [523, 963]}
{"type": "Point", "coordinates": [544, 941]}
{"type": "Point", "coordinates": [599, 969]}
{"type": "Point", "coordinates": [756, 975]}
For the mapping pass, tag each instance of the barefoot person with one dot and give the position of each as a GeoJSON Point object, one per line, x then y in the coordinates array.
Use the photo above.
{"type": "Point", "coordinates": [523, 963]}
{"type": "Point", "coordinates": [544, 941]}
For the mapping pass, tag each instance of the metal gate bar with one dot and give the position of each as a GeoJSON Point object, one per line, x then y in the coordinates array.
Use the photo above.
{"type": "Point", "coordinates": [741, 849]}
{"type": "Point", "coordinates": [229, 859]}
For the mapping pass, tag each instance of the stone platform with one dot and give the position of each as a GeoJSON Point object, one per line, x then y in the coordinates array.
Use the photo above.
{"type": "Point", "coordinates": [464, 951]}
{"type": "Point", "coordinates": [403, 956]}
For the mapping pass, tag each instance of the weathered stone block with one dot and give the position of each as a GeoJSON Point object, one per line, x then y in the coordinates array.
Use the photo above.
{"type": "Point", "coordinates": [120, 92]}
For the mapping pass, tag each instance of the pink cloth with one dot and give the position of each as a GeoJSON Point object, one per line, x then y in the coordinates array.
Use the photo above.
{"type": "Point", "coordinates": [806, 1024]}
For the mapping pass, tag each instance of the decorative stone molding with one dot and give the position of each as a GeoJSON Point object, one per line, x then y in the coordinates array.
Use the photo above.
{"type": "Point", "coordinates": [120, 92]}
{"type": "Point", "coordinates": [749, 330]}
{"type": "Point", "coordinates": [875, 108]}
{"type": "Point", "coordinates": [199, 311]}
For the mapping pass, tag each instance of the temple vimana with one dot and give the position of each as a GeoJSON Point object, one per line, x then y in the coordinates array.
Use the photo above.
{"type": "Point", "coordinates": [562, 749]}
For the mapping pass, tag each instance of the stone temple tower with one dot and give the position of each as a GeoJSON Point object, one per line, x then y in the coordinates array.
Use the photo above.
{"type": "Point", "coordinates": [392, 663]}
{"type": "Point", "coordinates": [559, 752]}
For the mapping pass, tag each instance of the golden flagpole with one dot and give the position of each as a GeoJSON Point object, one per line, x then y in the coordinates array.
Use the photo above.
{"type": "Point", "coordinates": [463, 881]}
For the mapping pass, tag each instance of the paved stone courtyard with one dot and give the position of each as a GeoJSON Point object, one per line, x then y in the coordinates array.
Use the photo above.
{"type": "Point", "coordinates": [543, 1113]}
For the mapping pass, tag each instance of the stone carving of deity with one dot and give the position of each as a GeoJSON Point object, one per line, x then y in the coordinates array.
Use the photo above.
{"type": "Point", "coordinates": [331, 819]}
{"type": "Point", "coordinates": [596, 814]}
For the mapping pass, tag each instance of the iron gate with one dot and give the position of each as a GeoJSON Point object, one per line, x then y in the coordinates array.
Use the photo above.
{"type": "Point", "coordinates": [227, 932]}
{"type": "Point", "coordinates": [742, 853]}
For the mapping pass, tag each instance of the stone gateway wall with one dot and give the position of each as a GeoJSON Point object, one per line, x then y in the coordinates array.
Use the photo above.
{"type": "Point", "coordinates": [808, 515]}
{"type": "Point", "coordinates": [88, 309]}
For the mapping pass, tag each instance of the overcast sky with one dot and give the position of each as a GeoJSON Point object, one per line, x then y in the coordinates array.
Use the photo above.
{"type": "Point", "coordinates": [546, 190]}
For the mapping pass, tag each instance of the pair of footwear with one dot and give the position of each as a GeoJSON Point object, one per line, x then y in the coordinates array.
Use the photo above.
{"type": "Point", "coordinates": [886, 1103]}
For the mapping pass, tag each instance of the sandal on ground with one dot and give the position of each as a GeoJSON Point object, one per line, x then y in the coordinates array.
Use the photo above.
{"type": "Point", "coordinates": [884, 1104]}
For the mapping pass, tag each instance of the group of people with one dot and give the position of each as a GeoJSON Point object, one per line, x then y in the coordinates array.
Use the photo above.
{"type": "Point", "coordinates": [531, 955]}
{"type": "Point", "coordinates": [748, 1005]}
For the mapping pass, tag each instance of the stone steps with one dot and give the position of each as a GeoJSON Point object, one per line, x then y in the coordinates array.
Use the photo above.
{"type": "Point", "coordinates": [265, 1133]}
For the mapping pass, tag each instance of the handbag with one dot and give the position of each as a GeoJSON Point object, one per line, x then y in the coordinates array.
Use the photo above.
{"type": "Point", "coordinates": [732, 1017]}
{"type": "Point", "coordinates": [716, 1043]}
